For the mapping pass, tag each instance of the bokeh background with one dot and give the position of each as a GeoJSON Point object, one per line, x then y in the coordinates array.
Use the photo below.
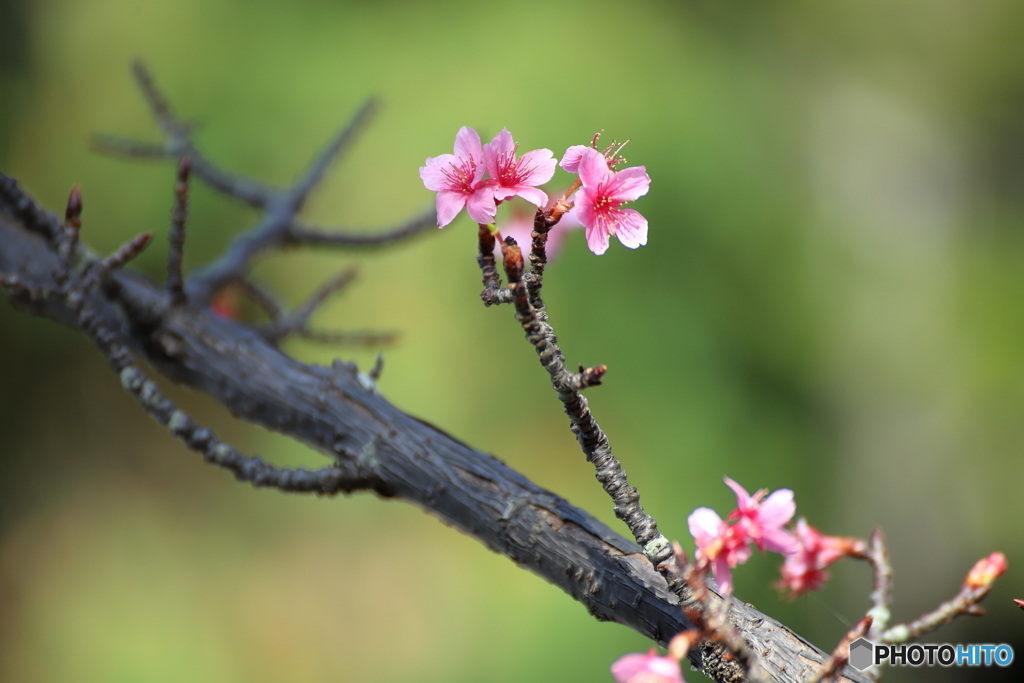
{"type": "Point", "coordinates": [831, 300]}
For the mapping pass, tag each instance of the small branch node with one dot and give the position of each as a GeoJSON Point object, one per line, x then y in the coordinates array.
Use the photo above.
{"type": "Point", "coordinates": [69, 240]}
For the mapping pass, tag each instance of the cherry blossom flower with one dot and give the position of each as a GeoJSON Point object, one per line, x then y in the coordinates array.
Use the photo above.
{"type": "Point", "coordinates": [599, 200]}
{"type": "Point", "coordinates": [511, 176]}
{"type": "Point", "coordinates": [804, 570]}
{"type": "Point", "coordinates": [724, 544]}
{"type": "Point", "coordinates": [458, 180]}
{"type": "Point", "coordinates": [647, 668]}
{"type": "Point", "coordinates": [763, 522]}
{"type": "Point", "coordinates": [720, 544]}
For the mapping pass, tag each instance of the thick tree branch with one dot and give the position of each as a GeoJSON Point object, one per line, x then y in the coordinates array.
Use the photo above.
{"type": "Point", "coordinates": [339, 411]}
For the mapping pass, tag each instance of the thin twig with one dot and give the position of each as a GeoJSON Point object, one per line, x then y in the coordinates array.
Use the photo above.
{"type": "Point", "coordinates": [31, 215]}
{"type": "Point", "coordinates": [102, 270]}
{"type": "Point", "coordinates": [841, 654]}
{"type": "Point", "coordinates": [365, 339]}
{"type": "Point", "coordinates": [338, 144]}
{"type": "Point", "coordinates": [881, 592]}
{"type": "Point", "coordinates": [591, 437]}
{"type": "Point", "coordinates": [298, 320]}
{"type": "Point", "coordinates": [493, 292]}
{"type": "Point", "coordinates": [179, 216]}
{"type": "Point", "coordinates": [299, 234]}
{"type": "Point", "coordinates": [278, 225]}
{"type": "Point", "coordinates": [69, 244]}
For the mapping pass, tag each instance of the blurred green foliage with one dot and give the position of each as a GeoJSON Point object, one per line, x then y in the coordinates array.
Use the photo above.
{"type": "Point", "coordinates": [832, 300]}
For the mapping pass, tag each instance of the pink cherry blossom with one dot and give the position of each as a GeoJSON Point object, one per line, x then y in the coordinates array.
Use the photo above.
{"type": "Point", "coordinates": [647, 668]}
{"type": "Point", "coordinates": [511, 176]}
{"type": "Point", "coordinates": [763, 522]}
{"type": "Point", "coordinates": [599, 201]}
{"type": "Point", "coordinates": [458, 180]}
{"type": "Point", "coordinates": [804, 570]}
{"type": "Point", "coordinates": [725, 544]}
{"type": "Point", "coordinates": [720, 544]}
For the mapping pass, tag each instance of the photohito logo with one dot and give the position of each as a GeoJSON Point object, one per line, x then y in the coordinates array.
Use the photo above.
{"type": "Point", "coordinates": [864, 653]}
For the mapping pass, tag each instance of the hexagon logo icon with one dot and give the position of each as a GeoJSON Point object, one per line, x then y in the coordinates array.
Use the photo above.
{"type": "Point", "coordinates": [861, 653]}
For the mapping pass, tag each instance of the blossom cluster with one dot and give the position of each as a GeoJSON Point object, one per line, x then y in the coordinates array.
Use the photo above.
{"type": "Point", "coordinates": [479, 177]}
{"type": "Point", "coordinates": [725, 543]}
{"type": "Point", "coordinates": [804, 569]}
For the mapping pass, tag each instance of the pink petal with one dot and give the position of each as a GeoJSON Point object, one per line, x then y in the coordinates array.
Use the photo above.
{"type": "Point", "coordinates": [448, 206]}
{"type": "Point", "coordinates": [433, 175]}
{"type": "Point", "coordinates": [597, 239]}
{"type": "Point", "coordinates": [571, 159]}
{"type": "Point", "coordinates": [593, 168]}
{"type": "Point", "coordinates": [628, 666]}
{"type": "Point", "coordinates": [630, 183]}
{"type": "Point", "coordinates": [532, 195]}
{"type": "Point", "coordinates": [776, 511]}
{"type": "Point", "coordinates": [499, 146]}
{"type": "Point", "coordinates": [743, 499]}
{"type": "Point", "coordinates": [481, 207]}
{"type": "Point", "coordinates": [780, 541]}
{"type": "Point", "coordinates": [648, 668]}
{"type": "Point", "coordinates": [631, 228]}
{"type": "Point", "coordinates": [467, 144]}
{"type": "Point", "coordinates": [541, 163]}
{"type": "Point", "coordinates": [705, 524]}
{"type": "Point", "coordinates": [723, 575]}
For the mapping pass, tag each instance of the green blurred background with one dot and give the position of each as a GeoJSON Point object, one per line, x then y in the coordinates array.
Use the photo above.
{"type": "Point", "coordinates": [831, 300]}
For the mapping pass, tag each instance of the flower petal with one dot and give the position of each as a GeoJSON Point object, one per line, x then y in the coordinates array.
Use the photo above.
{"type": "Point", "coordinates": [467, 145]}
{"type": "Point", "coordinates": [593, 168]}
{"type": "Point", "coordinates": [481, 206]}
{"type": "Point", "coordinates": [776, 510]}
{"type": "Point", "coordinates": [532, 195]}
{"type": "Point", "coordinates": [571, 159]}
{"type": "Point", "coordinates": [433, 175]}
{"type": "Point", "coordinates": [631, 228]}
{"type": "Point", "coordinates": [597, 239]}
{"type": "Point", "coordinates": [448, 206]}
{"type": "Point", "coordinates": [723, 575]}
{"type": "Point", "coordinates": [540, 166]}
{"type": "Point", "coordinates": [630, 183]}
{"type": "Point", "coordinates": [704, 524]}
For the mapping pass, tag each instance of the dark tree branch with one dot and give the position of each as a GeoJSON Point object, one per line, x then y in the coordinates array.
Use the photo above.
{"type": "Point", "coordinates": [338, 411]}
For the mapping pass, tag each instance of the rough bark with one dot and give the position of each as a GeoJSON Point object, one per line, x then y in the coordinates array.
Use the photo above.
{"type": "Point", "coordinates": [338, 411]}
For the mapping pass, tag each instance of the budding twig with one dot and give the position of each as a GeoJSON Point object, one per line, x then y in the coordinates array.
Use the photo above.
{"type": "Point", "coordinates": [493, 292]}
{"type": "Point", "coordinates": [591, 437]}
{"type": "Point", "coordinates": [123, 255]}
{"type": "Point", "coordinates": [974, 589]}
{"type": "Point", "coordinates": [841, 654]}
{"type": "Point", "coordinates": [881, 593]}
{"type": "Point", "coordinates": [69, 243]}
